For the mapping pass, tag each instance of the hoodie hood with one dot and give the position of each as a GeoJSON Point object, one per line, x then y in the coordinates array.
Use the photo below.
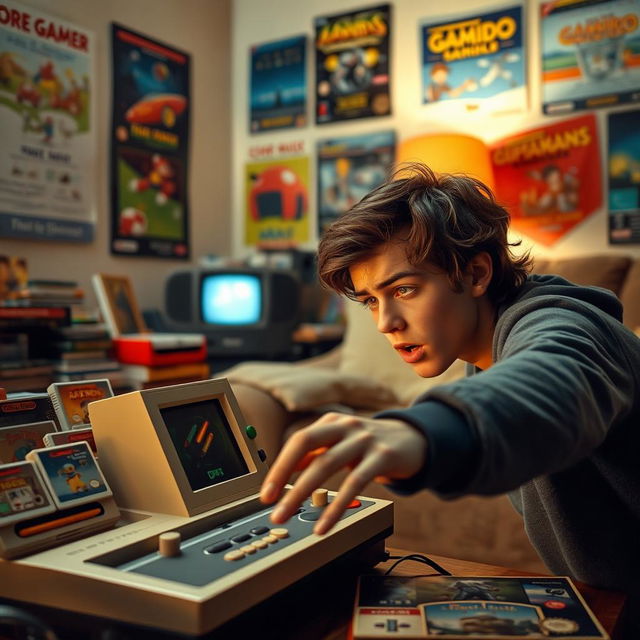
{"type": "Point", "coordinates": [537, 286]}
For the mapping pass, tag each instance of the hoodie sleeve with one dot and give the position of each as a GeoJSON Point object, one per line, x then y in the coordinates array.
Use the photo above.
{"type": "Point", "coordinates": [561, 378]}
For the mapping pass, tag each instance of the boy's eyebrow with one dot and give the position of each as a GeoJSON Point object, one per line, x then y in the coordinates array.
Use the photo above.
{"type": "Point", "coordinates": [409, 273]}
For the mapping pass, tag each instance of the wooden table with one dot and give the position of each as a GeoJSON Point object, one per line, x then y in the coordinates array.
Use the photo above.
{"type": "Point", "coordinates": [318, 608]}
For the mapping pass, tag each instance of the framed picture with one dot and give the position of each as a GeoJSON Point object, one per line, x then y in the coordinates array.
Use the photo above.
{"type": "Point", "coordinates": [118, 304]}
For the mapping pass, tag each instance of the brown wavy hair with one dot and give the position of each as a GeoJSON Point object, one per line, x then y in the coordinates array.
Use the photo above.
{"type": "Point", "coordinates": [445, 219]}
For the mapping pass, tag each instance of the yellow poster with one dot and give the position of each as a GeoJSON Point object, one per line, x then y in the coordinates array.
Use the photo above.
{"type": "Point", "coordinates": [277, 201]}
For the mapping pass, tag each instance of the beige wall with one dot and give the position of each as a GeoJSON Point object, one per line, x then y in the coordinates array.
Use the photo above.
{"type": "Point", "coordinates": [286, 18]}
{"type": "Point", "coordinates": [202, 28]}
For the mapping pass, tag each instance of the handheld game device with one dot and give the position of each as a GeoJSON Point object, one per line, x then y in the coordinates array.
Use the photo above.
{"type": "Point", "coordinates": [194, 546]}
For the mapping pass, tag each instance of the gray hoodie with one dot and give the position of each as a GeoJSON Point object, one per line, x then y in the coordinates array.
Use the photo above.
{"type": "Point", "coordinates": [556, 422]}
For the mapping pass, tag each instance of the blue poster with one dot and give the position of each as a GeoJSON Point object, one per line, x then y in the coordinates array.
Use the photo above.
{"type": "Point", "coordinates": [348, 168]}
{"type": "Point", "coordinates": [475, 62]}
{"type": "Point", "coordinates": [624, 177]}
{"type": "Point", "coordinates": [590, 54]}
{"type": "Point", "coordinates": [278, 85]}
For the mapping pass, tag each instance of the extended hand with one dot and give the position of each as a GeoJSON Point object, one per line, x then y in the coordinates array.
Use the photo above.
{"type": "Point", "coordinates": [372, 448]}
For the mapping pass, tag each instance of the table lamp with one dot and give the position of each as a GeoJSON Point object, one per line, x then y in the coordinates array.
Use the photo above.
{"type": "Point", "coordinates": [448, 153]}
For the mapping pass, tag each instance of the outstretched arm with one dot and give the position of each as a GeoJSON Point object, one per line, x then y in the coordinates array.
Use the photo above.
{"type": "Point", "coordinates": [372, 448]}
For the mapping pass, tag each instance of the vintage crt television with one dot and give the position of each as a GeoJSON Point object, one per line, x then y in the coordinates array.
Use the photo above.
{"type": "Point", "coordinates": [243, 311]}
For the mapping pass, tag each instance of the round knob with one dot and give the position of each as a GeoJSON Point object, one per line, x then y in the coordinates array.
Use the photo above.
{"type": "Point", "coordinates": [319, 498]}
{"type": "Point", "coordinates": [169, 544]}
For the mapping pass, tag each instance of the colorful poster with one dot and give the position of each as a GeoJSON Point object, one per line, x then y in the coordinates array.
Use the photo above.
{"type": "Point", "coordinates": [348, 168]}
{"type": "Point", "coordinates": [48, 150]}
{"type": "Point", "coordinates": [590, 54]}
{"type": "Point", "coordinates": [352, 65]}
{"type": "Point", "coordinates": [277, 201]}
{"type": "Point", "coordinates": [624, 177]}
{"type": "Point", "coordinates": [279, 85]}
{"type": "Point", "coordinates": [149, 147]}
{"type": "Point", "coordinates": [475, 62]}
{"type": "Point", "coordinates": [549, 177]}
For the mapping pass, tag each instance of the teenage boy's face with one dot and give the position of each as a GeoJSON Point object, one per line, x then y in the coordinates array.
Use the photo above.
{"type": "Point", "coordinates": [426, 321]}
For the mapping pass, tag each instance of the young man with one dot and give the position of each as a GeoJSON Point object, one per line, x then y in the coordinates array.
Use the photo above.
{"type": "Point", "coordinates": [550, 410]}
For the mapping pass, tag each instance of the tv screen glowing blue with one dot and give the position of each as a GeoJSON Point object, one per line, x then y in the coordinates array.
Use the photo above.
{"type": "Point", "coordinates": [231, 298]}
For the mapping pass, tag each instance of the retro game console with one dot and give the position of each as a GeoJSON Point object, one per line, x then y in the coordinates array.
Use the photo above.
{"type": "Point", "coordinates": [194, 546]}
{"type": "Point", "coordinates": [133, 343]}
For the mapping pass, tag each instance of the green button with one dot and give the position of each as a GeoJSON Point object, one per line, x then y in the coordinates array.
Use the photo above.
{"type": "Point", "coordinates": [251, 431]}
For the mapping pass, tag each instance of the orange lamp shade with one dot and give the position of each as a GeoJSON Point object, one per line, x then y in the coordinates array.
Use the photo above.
{"type": "Point", "coordinates": [449, 153]}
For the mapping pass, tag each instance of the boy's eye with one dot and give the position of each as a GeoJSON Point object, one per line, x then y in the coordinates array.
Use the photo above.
{"type": "Point", "coordinates": [404, 290]}
{"type": "Point", "coordinates": [368, 302]}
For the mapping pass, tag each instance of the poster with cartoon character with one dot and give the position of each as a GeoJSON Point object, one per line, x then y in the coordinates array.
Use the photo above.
{"type": "Point", "coordinates": [149, 147]}
{"type": "Point", "coordinates": [353, 65]}
{"type": "Point", "coordinates": [47, 127]}
{"type": "Point", "coordinates": [474, 63]}
{"type": "Point", "coordinates": [549, 177]}
{"type": "Point", "coordinates": [590, 54]}
{"type": "Point", "coordinates": [277, 202]}
{"type": "Point", "coordinates": [348, 168]}
{"type": "Point", "coordinates": [624, 177]}
{"type": "Point", "coordinates": [278, 85]}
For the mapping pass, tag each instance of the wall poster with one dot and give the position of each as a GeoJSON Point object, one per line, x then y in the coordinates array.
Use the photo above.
{"type": "Point", "coordinates": [475, 62]}
{"type": "Point", "coordinates": [352, 65]}
{"type": "Point", "coordinates": [277, 201]}
{"type": "Point", "coordinates": [278, 85]}
{"type": "Point", "coordinates": [624, 177]}
{"type": "Point", "coordinates": [549, 178]}
{"type": "Point", "coordinates": [590, 54]}
{"type": "Point", "coordinates": [47, 128]}
{"type": "Point", "coordinates": [348, 168]}
{"type": "Point", "coordinates": [149, 147]}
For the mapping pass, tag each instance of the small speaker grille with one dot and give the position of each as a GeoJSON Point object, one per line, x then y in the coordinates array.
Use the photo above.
{"type": "Point", "coordinates": [178, 297]}
{"type": "Point", "coordinates": [286, 298]}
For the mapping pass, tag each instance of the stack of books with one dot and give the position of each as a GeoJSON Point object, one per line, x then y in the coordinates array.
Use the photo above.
{"type": "Point", "coordinates": [140, 376]}
{"type": "Point", "coordinates": [82, 351]}
{"type": "Point", "coordinates": [63, 293]}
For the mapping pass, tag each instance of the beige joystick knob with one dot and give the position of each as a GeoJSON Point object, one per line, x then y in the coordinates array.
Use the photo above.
{"type": "Point", "coordinates": [169, 544]}
{"type": "Point", "coordinates": [319, 498]}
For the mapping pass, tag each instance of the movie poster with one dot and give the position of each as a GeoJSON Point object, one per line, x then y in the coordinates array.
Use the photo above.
{"type": "Point", "coordinates": [277, 202]}
{"type": "Point", "coordinates": [149, 147]}
{"type": "Point", "coordinates": [549, 177]}
{"type": "Point", "coordinates": [475, 62]}
{"type": "Point", "coordinates": [624, 177]}
{"type": "Point", "coordinates": [348, 168]}
{"type": "Point", "coordinates": [352, 65]}
{"type": "Point", "coordinates": [590, 54]}
{"type": "Point", "coordinates": [47, 127]}
{"type": "Point", "coordinates": [279, 85]}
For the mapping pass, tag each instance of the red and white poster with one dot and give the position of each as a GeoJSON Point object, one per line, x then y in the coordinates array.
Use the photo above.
{"type": "Point", "coordinates": [549, 177]}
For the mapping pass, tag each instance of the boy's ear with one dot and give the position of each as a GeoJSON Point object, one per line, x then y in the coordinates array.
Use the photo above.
{"type": "Point", "coordinates": [480, 270]}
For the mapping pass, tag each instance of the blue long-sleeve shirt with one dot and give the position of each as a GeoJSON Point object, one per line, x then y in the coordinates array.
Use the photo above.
{"type": "Point", "coordinates": [556, 422]}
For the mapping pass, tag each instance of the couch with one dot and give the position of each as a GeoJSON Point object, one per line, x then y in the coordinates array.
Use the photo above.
{"type": "Point", "coordinates": [363, 375]}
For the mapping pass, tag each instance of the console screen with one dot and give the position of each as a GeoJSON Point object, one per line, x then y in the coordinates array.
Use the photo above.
{"type": "Point", "coordinates": [205, 445]}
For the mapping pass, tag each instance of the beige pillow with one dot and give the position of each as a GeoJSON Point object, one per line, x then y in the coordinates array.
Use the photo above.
{"type": "Point", "coordinates": [307, 388]}
{"type": "Point", "coordinates": [365, 351]}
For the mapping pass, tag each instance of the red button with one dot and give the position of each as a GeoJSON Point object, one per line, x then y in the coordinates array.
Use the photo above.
{"type": "Point", "coordinates": [354, 504]}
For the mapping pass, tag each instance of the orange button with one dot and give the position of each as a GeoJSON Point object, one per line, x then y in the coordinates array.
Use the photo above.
{"type": "Point", "coordinates": [354, 504]}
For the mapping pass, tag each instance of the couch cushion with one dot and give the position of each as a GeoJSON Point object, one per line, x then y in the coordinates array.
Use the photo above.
{"type": "Point", "coordinates": [608, 271]}
{"type": "Point", "coordinates": [365, 351]}
{"type": "Point", "coordinates": [630, 297]}
{"type": "Point", "coordinates": [301, 388]}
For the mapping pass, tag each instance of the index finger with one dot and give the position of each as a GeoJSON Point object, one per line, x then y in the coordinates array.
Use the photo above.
{"type": "Point", "coordinates": [301, 448]}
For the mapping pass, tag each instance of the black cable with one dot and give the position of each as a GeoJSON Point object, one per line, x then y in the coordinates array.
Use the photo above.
{"type": "Point", "coordinates": [416, 557]}
{"type": "Point", "coordinates": [33, 627]}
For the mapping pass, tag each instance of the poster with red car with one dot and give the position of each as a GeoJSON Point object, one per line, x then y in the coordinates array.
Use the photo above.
{"type": "Point", "coordinates": [149, 147]}
{"type": "Point", "coordinates": [277, 202]}
{"type": "Point", "coordinates": [549, 178]}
